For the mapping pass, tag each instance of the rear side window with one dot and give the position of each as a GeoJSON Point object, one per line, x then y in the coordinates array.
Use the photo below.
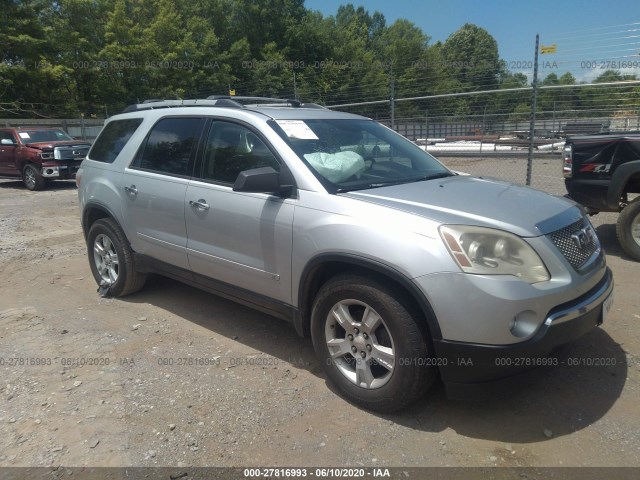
{"type": "Point", "coordinates": [170, 146]}
{"type": "Point", "coordinates": [112, 139]}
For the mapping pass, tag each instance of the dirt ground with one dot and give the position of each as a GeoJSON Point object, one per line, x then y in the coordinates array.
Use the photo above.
{"type": "Point", "coordinates": [173, 376]}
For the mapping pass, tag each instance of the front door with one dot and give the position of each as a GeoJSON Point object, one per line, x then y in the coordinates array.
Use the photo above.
{"type": "Point", "coordinates": [240, 239]}
{"type": "Point", "coordinates": [8, 155]}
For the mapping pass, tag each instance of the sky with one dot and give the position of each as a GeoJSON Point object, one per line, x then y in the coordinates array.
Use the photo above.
{"type": "Point", "coordinates": [582, 27]}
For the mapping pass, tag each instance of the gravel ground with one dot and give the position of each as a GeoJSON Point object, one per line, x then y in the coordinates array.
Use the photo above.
{"type": "Point", "coordinates": [173, 376]}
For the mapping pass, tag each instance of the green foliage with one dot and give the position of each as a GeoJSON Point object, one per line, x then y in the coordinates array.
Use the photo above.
{"type": "Point", "coordinates": [94, 57]}
{"type": "Point", "coordinates": [471, 56]}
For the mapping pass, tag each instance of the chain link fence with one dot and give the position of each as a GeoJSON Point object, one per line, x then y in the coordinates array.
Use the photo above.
{"type": "Point", "coordinates": [484, 144]}
{"type": "Point", "coordinates": [496, 140]}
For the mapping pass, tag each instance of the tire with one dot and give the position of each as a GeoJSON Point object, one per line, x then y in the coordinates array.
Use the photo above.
{"type": "Point", "coordinates": [628, 229]}
{"type": "Point", "coordinates": [348, 348]}
{"type": "Point", "coordinates": [111, 259]}
{"type": "Point", "coordinates": [32, 178]}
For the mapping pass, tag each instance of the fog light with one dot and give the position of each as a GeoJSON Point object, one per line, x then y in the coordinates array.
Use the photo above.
{"type": "Point", "coordinates": [51, 171]}
{"type": "Point", "coordinates": [524, 324]}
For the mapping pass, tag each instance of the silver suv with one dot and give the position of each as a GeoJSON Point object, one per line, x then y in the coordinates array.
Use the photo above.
{"type": "Point", "coordinates": [398, 268]}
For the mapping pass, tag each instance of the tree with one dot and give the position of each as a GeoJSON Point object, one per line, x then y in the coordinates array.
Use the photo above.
{"type": "Point", "coordinates": [31, 77]}
{"type": "Point", "coordinates": [471, 56]}
{"type": "Point", "coordinates": [69, 57]}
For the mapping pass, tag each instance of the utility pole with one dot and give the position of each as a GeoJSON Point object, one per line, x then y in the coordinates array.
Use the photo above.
{"type": "Point", "coordinates": [392, 97]}
{"type": "Point", "coordinates": [484, 127]}
{"type": "Point", "coordinates": [295, 88]}
{"type": "Point", "coordinates": [426, 127]}
{"type": "Point", "coordinates": [534, 104]}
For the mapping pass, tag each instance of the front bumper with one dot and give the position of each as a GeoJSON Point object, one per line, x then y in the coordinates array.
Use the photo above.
{"type": "Point", "coordinates": [60, 172]}
{"type": "Point", "coordinates": [464, 363]}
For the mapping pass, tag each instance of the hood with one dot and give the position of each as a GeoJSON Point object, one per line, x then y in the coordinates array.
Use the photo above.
{"type": "Point", "coordinates": [51, 145]}
{"type": "Point", "coordinates": [466, 200]}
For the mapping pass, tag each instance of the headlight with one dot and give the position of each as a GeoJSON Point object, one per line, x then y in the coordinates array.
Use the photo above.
{"type": "Point", "coordinates": [486, 251]}
{"type": "Point", "coordinates": [46, 155]}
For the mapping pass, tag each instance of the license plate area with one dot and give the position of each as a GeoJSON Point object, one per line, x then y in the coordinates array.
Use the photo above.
{"type": "Point", "coordinates": [606, 309]}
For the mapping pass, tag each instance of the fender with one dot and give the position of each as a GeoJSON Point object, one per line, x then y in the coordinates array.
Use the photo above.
{"type": "Point", "coordinates": [301, 321]}
{"type": "Point", "coordinates": [618, 182]}
{"type": "Point", "coordinates": [95, 205]}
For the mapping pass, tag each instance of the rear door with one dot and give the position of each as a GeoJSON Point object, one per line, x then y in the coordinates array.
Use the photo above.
{"type": "Point", "coordinates": [155, 185]}
{"type": "Point", "coordinates": [235, 238]}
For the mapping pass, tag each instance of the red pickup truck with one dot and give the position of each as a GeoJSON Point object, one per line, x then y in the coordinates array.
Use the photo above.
{"type": "Point", "coordinates": [39, 154]}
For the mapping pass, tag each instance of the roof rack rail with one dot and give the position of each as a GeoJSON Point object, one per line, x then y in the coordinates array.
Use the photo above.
{"type": "Point", "coordinates": [220, 101]}
{"type": "Point", "coordinates": [155, 103]}
{"type": "Point", "coordinates": [267, 101]}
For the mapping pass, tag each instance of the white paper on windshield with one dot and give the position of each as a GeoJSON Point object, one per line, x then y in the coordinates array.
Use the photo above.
{"type": "Point", "coordinates": [297, 129]}
{"type": "Point", "coordinates": [24, 135]}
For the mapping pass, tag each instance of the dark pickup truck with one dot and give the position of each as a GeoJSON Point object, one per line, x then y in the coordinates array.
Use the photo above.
{"type": "Point", "coordinates": [602, 172]}
{"type": "Point", "coordinates": [39, 154]}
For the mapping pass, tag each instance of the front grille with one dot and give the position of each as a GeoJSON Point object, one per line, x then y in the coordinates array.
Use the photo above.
{"type": "Point", "coordinates": [577, 242]}
{"type": "Point", "coordinates": [70, 152]}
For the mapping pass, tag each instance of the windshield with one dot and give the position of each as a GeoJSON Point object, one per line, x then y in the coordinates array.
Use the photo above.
{"type": "Point", "coordinates": [36, 136]}
{"type": "Point", "coordinates": [356, 154]}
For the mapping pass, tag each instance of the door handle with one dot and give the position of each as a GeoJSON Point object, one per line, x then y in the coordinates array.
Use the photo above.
{"type": "Point", "coordinates": [200, 204]}
{"type": "Point", "coordinates": [132, 190]}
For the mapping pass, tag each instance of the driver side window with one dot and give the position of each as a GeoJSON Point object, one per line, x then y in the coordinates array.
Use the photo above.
{"type": "Point", "coordinates": [7, 136]}
{"type": "Point", "coordinates": [231, 149]}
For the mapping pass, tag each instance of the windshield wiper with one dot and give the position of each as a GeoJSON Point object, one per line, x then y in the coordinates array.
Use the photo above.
{"type": "Point", "coordinates": [368, 186]}
{"type": "Point", "coordinates": [433, 176]}
{"type": "Point", "coordinates": [400, 181]}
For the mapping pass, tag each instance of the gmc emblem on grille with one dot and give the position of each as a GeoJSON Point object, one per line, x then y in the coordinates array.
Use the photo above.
{"type": "Point", "coordinates": [584, 237]}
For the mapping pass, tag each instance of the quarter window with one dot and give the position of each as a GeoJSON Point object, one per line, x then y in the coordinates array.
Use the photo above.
{"type": "Point", "coordinates": [112, 139]}
{"type": "Point", "coordinates": [231, 149]}
{"type": "Point", "coordinates": [170, 146]}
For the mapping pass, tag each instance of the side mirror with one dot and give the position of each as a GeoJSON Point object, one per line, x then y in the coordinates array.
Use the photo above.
{"type": "Point", "coordinates": [259, 180]}
{"type": "Point", "coordinates": [7, 141]}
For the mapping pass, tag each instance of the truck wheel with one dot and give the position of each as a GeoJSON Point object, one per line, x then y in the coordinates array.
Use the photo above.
{"type": "Point", "coordinates": [111, 259]}
{"type": "Point", "coordinates": [369, 344]}
{"type": "Point", "coordinates": [628, 229]}
{"type": "Point", "coordinates": [32, 178]}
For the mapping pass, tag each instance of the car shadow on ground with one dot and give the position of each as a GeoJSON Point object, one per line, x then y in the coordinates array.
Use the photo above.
{"type": "Point", "coordinates": [609, 240]}
{"type": "Point", "coordinates": [545, 403]}
{"type": "Point", "coordinates": [541, 404]}
{"type": "Point", "coordinates": [266, 334]}
{"type": "Point", "coordinates": [52, 185]}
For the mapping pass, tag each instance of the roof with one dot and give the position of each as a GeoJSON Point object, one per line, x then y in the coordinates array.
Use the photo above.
{"type": "Point", "coordinates": [271, 107]}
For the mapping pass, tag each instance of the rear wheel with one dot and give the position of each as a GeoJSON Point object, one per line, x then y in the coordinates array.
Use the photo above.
{"type": "Point", "coordinates": [32, 178]}
{"type": "Point", "coordinates": [370, 345]}
{"type": "Point", "coordinates": [628, 229]}
{"type": "Point", "coordinates": [111, 259]}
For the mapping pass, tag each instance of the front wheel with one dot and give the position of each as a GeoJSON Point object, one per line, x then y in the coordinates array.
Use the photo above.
{"type": "Point", "coordinates": [628, 229]}
{"type": "Point", "coordinates": [370, 345]}
{"type": "Point", "coordinates": [111, 259]}
{"type": "Point", "coordinates": [32, 178]}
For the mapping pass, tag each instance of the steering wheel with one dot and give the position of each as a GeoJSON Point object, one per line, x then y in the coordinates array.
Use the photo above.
{"type": "Point", "coordinates": [369, 163]}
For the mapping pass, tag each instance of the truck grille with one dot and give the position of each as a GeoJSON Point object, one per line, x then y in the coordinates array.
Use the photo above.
{"type": "Point", "coordinates": [577, 242]}
{"type": "Point", "coordinates": [70, 152]}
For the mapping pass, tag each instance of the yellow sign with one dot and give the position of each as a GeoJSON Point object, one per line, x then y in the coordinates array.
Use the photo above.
{"type": "Point", "coordinates": [232, 92]}
{"type": "Point", "coordinates": [553, 48]}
